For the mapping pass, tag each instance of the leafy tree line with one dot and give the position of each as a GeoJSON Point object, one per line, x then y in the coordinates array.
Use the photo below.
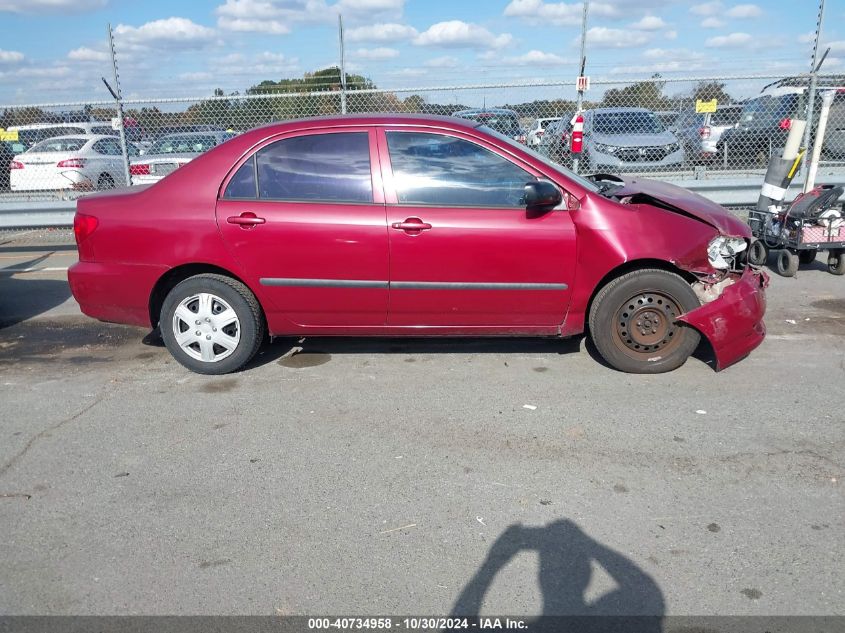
{"type": "Point", "coordinates": [318, 93]}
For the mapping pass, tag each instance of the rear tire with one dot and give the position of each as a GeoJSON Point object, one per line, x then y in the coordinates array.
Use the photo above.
{"type": "Point", "coordinates": [836, 262]}
{"type": "Point", "coordinates": [787, 263]}
{"type": "Point", "coordinates": [212, 324]}
{"type": "Point", "coordinates": [758, 254]}
{"type": "Point", "coordinates": [633, 322]}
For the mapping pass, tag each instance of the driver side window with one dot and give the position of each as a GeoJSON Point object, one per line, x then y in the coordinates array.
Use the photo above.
{"type": "Point", "coordinates": [444, 171]}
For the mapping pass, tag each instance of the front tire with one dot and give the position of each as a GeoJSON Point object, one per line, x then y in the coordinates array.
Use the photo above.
{"type": "Point", "coordinates": [212, 324]}
{"type": "Point", "coordinates": [634, 322]}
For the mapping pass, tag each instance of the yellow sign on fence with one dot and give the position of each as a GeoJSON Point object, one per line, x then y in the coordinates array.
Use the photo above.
{"type": "Point", "coordinates": [8, 136]}
{"type": "Point", "coordinates": [702, 107]}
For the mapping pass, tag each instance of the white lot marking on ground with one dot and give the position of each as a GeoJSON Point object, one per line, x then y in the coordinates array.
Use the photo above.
{"type": "Point", "coordinates": [48, 269]}
{"type": "Point", "coordinates": [404, 527]}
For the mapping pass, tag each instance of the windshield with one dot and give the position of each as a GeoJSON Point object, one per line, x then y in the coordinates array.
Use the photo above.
{"type": "Point", "coordinates": [183, 145]}
{"type": "Point", "coordinates": [583, 182]}
{"type": "Point", "coordinates": [627, 123]}
{"type": "Point", "coordinates": [59, 145]}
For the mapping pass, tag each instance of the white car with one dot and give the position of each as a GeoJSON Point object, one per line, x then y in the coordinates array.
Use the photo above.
{"type": "Point", "coordinates": [83, 162]}
{"type": "Point", "coordinates": [535, 134]}
{"type": "Point", "coordinates": [170, 152]}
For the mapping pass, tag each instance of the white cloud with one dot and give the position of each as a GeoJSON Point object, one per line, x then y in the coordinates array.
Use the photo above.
{"type": "Point", "coordinates": [446, 61]}
{"type": "Point", "coordinates": [712, 23]}
{"type": "Point", "coordinates": [390, 32]}
{"type": "Point", "coordinates": [671, 35]}
{"type": "Point", "coordinates": [51, 6]}
{"type": "Point", "coordinates": [172, 33]}
{"type": "Point", "coordinates": [836, 47]}
{"type": "Point", "coordinates": [707, 8]}
{"type": "Point", "coordinates": [368, 6]}
{"type": "Point", "coordinates": [648, 23]}
{"type": "Point", "coordinates": [85, 54]}
{"type": "Point", "coordinates": [376, 54]}
{"type": "Point", "coordinates": [408, 72]}
{"type": "Point", "coordinates": [807, 38]}
{"type": "Point", "coordinates": [197, 76]}
{"type": "Point", "coordinates": [603, 37]}
{"type": "Point", "coordinates": [743, 11]}
{"type": "Point", "coordinates": [10, 57]}
{"type": "Point", "coordinates": [243, 25]}
{"type": "Point", "coordinates": [458, 34]}
{"type": "Point", "coordinates": [734, 40]}
{"type": "Point", "coordinates": [559, 13]}
{"type": "Point", "coordinates": [537, 58]}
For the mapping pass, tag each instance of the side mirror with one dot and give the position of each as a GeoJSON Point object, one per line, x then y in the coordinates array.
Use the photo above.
{"type": "Point", "coordinates": [542, 194]}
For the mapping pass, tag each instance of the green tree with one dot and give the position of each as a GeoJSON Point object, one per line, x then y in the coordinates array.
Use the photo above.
{"type": "Point", "coordinates": [642, 94]}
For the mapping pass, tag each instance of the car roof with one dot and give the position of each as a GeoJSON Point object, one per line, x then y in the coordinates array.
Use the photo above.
{"type": "Point", "coordinates": [183, 134]}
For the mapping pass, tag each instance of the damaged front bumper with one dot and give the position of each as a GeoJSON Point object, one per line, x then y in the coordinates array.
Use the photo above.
{"type": "Point", "coordinates": [733, 322]}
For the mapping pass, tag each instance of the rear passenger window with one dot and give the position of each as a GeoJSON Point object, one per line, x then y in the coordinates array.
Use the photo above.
{"type": "Point", "coordinates": [242, 184]}
{"type": "Point", "coordinates": [316, 167]}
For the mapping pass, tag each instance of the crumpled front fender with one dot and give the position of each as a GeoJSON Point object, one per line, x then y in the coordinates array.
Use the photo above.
{"type": "Point", "coordinates": [733, 323]}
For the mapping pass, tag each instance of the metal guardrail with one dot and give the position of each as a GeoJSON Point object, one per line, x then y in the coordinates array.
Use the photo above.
{"type": "Point", "coordinates": [59, 213]}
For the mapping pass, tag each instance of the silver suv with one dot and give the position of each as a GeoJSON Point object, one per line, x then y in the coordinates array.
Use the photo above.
{"type": "Point", "coordinates": [628, 139]}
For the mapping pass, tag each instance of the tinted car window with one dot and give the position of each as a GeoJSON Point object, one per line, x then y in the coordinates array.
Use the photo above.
{"type": "Point", "coordinates": [107, 146]}
{"type": "Point", "coordinates": [59, 145]}
{"type": "Point", "coordinates": [243, 183]}
{"type": "Point", "coordinates": [764, 110]}
{"type": "Point", "coordinates": [627, 123]}
{"type": "Point", "coordinates": [183, 145]}
{"type": "Point", "coordinates": [105, 130]}
{"type": "Point", "coordinates": [728, 116]}
{"type": "Point", "coordinates": [435, 169]}
{"type": "Point", "coordinates": [324, 167]}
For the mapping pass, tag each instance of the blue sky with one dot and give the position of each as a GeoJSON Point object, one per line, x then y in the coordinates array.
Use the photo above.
{"type": "Point", "coordinates": [55, 50]}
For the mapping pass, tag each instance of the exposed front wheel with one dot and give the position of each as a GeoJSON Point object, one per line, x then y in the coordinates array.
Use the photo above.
{"type": "Point", "coordinates": [787, 263]}
{"type": "Point", "coordinates": [634, 322]}
{"type": "Point", "coordinates": [212, 324]}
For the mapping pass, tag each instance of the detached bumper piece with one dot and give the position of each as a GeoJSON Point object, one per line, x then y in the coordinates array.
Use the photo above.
{"type": "Point", "coordinates": [733, 323]}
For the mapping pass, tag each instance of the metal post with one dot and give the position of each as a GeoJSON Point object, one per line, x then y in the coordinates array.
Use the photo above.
{"type": "Point", "coordinates": [583, 65]}
{"type": "Point", "coordinates": [342, 66]}
{"type": "Point", "coordinates": [811, 98]}
{"type": "Point", "coordinates": [119, 100]}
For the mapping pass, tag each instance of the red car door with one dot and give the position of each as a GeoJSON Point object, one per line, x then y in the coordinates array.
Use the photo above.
{"type": "Point", "coordinates": [305, 217]}
{"type": "Point", "coordinates": [464, 251]}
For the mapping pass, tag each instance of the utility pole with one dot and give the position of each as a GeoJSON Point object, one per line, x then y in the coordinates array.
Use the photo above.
{"type": "Point", "coordinates": [811, 98]}
{"type": "Point", "coordinates": [582, 67]}
{"type": "Point", "coordinates": [119, 101]}
{"type": "Point", "coordinates": [342, 66]}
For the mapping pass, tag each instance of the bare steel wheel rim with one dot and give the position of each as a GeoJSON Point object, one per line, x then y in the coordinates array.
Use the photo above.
{"type": "Point", "coordinates": [645, 325]}
{"type": "Point", "coordinates": [206, 328]}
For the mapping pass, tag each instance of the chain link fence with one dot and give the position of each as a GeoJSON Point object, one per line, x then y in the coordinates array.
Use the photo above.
{"type": "Point", "coordinates": [674, 129]}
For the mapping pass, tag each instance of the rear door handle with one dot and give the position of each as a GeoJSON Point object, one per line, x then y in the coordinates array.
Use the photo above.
{"type": "Point", "coordinates": [411, 224]}
{"type": "Point", "coordinates": [246, 220]}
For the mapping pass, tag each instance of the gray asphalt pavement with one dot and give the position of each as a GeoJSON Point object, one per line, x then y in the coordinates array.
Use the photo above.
{"type": "Point", "coordinates": [397, 476]}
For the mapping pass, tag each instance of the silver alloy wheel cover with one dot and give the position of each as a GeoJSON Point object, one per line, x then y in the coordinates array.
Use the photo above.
{"type": "Point", "coordinates": [200, 334]}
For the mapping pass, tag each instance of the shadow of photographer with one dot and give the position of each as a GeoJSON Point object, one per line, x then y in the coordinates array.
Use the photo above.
{"type": "Point", "coordinates": [566, 555]}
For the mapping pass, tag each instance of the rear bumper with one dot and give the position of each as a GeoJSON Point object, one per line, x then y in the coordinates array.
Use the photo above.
{"type": "Point", "coordinates": [118, 293]}
{"type": "Point", "coordinates": [733, 323]}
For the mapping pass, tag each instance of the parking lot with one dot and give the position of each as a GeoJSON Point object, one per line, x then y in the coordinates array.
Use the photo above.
{"type": "Point", "coordinates": [413, 476]}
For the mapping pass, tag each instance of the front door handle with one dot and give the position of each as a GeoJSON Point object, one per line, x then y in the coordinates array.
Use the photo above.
{"type": "Point", "coordinates": [246, 220]}
{"type": "Point", "coordinates": [412, 225]}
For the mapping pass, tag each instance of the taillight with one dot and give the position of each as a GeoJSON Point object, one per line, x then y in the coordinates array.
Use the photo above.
{"type": "Point", "coordinates": [139, 169]}
{"type": "Point", "coordinates": [15, 165]}
{"type": "Point", "coordinates": [73, 163]}
{"type": "Point", "coordinates": [83, 226]}
{"type": "Point", "coordinates": [704, 132]}
{"type": "Point", "coordinates": [785, 124]}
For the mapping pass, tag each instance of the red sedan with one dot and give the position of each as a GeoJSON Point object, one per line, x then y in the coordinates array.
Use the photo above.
{"type": "Point", "coordinates": [413, 226]}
